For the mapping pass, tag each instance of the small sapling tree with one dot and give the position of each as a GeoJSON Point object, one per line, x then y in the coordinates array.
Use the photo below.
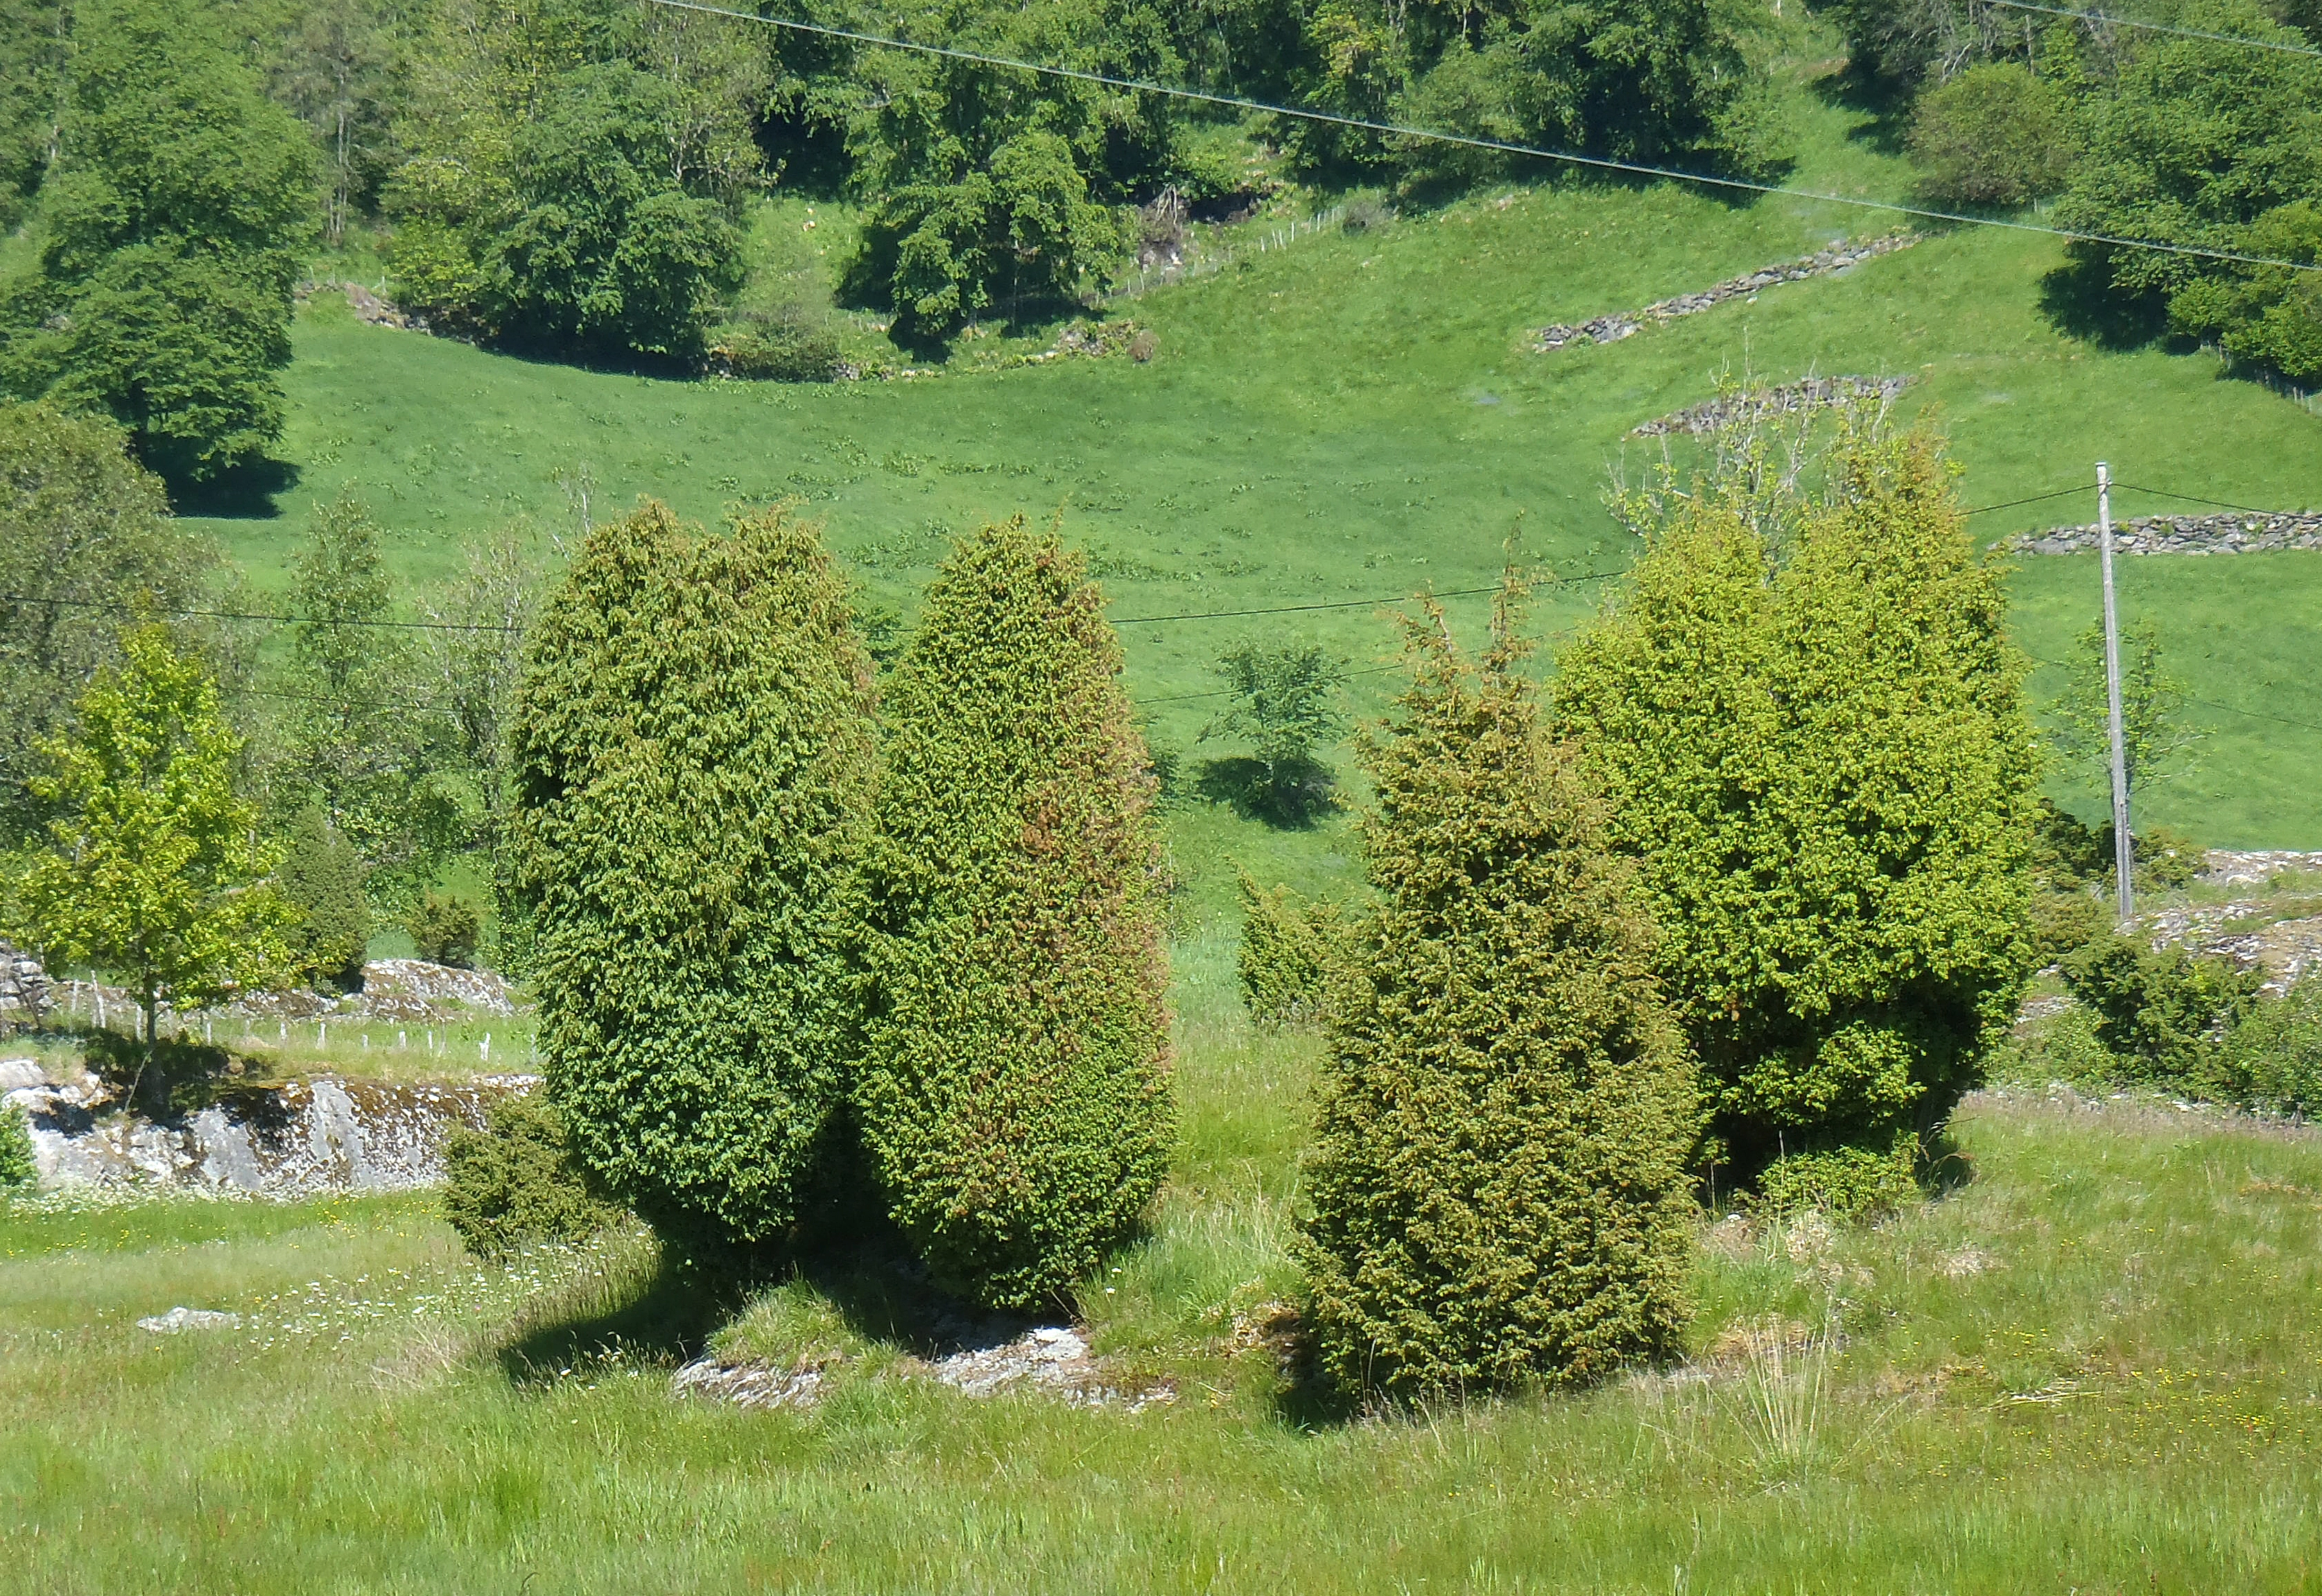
{"type": "Point", "coordinates": [2155, 740]}
{"type": "Point", "coordinates": [153, 866]}
{"type": "Point", "coordinates": [1286, 702]}
{"type": "Point", "coordinates": [321, 878]}
{"type": "Point", "coordinates": [1498, 1177]}
{"type": "Point", "coordinates": [1015, 1094]}
{"type": "Point", "coordinates": [692, 761]}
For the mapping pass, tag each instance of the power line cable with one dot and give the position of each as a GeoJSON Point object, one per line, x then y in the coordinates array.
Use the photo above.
{"type": "Point", "coordinates": [1598, 163]}
{"type": "Point", "coordinates": [2195, 498]}
{"type": "Point", "coordinates": [2125, 22]}
{"type": "Point", "coordinates": [2036, 499]}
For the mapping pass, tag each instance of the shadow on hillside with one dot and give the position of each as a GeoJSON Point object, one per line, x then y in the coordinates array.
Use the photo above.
{"type": "Point", "coordinates": [1883, 103]}
{"type": "Point", "coordinates": [246, 493]}
{"type": "Point", "coordinates": [2078, 301]}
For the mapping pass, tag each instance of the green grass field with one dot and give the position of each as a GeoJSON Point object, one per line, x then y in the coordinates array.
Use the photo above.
{"type": "Point", "coordinates": [1360, 416]}
{"type": "Point", "coordinates": [2091, 1367]}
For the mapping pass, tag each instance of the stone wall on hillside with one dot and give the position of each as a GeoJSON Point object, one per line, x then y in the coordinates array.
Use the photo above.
{"type": "Point", "coordinates": [1612, 329]}
{"type": "Point", "coordinates": [2234, 534]}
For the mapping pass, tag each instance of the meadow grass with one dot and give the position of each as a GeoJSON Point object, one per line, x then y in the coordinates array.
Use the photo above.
{"type": "Point", "coordinates": [1360, 416]}
{"type": "Point", "coordinates": [2091, 1365]}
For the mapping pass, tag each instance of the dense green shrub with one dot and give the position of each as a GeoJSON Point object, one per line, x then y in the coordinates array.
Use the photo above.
{"type": "Point", "coordinates": [693, 757]}
{"type": "Point", "coordinates": [2213, 144]}
{"type": "Point", "coordinates": [2063, 1046]}
{"type": "Point", "coordinates": [1810, 722]}
{"type": "Point", "coordinates": [2272, 1059]}
{"type": "Point", "coordinates": [791, 343]}
{"type": "Point", "coordinates": [445, 929]}
{"type": "Point", "coordinates": [1015, 1093]}
{"type": "Point", "coordinates": [1850, 1182]}
{"type": "Point", "coordinates": [17, 1167]}
{"type": "Point", "coordinates": [516, 1181]}
{"type": "Point", "coordinates": [321, 878]}
{"type": "Point", "coordinates": [1285, 957]}
{"type": "Point", "coordinates": [1993, 135]}
{"type": "Point", "coordinates": [2159, 1011]}
{"type": "Point", "coordinates": [174, 222]}
{"type": "Point", "coordinates": [1507, 1110]}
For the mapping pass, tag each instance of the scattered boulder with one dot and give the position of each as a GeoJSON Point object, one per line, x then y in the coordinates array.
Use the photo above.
{"type": "Point", "coordinates": [755, 1385]}
{"type": "Point", "coordinates": [25, 990]}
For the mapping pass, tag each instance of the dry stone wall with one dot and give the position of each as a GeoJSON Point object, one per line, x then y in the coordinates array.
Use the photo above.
{"type": "Point", "coordinates": [2234, 534]}
{"type": "Point", "coordinates": [1612, 329]}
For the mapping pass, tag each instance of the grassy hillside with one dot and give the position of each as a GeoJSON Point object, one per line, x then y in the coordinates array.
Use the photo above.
{"type": "Point", "coordinates": [2089, 1368]}
{"type": "Point", "coordinates": [1360, 415]}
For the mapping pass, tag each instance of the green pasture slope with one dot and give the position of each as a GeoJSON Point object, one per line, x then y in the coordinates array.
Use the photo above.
{"type": "Point", "coordinates": [1360, 415]}
{"type": "Point", "coordinates": [2092, 1368]}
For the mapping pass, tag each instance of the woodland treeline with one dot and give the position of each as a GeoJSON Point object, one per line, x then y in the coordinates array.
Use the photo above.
{"type": "Point", "coordinates": [572, 178]}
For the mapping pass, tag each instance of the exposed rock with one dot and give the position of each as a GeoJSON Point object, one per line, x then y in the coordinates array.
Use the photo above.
{"type": "Point", "coordinates": [1612, 329]}
{"type": "Point", "coordinates": [290, 1140]}
{"type": "Point", "coordinates": [755, 1385]}
{"type": "Point", "coordinates": [189, 1318]}
{"type": "Point", "coordinates": [1815, 393]}
{"type": "Point", "coordinates": [2226, 867]}
{"type": "Point", "coordinates": [16, 1073]}
{"type": "Point", "coordinates": [2237, 533]}
{"type": "Point", "coordinates": [1053, 1359]}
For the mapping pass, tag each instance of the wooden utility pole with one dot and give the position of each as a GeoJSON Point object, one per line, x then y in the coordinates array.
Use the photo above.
{"type": "Point", "coordinates": [2124, 844]}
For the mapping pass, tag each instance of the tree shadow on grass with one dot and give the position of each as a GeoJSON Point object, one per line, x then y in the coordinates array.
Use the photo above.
{"type": "Point", "coordinates": [668, 1316]}
{"type": "Point", "coordinates": [246, 493]}
{"type": "Point", "coordinates": [2078, 300]}
{"type": "Point", "coordinates": [1295, 794]}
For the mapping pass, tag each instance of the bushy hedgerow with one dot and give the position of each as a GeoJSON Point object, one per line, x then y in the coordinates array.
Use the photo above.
{"type": "Point", "coordinates": [1811, 725]}
{"type": "Point", "coordinates": [1284, 955]}
{"type": "Point", "coordinates": [1498, 1176]}
{"type": "Point", "coordinates": [693, 755]}
{"type": "Point", "coordinates": [516, 1181]}
{"type": "Point", "coordinates": [2272, 1058]}
{"type": "Point", "coordinates": [1015, 1097]}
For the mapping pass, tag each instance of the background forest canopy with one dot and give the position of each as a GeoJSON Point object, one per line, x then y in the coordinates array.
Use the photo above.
{"type": "Point", "coordinates": [574, 179]}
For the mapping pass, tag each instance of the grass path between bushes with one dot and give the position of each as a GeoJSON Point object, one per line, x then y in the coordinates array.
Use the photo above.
{"type": "Point", "coordinates": [2095, 1365]}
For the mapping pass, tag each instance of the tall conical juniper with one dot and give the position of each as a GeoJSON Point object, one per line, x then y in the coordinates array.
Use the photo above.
{"type": "Point", "coordinates": [694, 758]}
{"type": "Point", "coordinates": [1014, 1097]}
{"type": "Point", "coordinates": [1498, 1177]}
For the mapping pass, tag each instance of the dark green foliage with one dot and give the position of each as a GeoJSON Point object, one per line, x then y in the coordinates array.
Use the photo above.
{"type": "Point", "coordinates": [1818, 748]}
{"type": "Point", "coordinates": [1286, 703]}
{"type": "Point", "coordinates": [1015, 1093]}
{"type": "Point", "coordinates": [322, 877]}
{"type": "Point", "coordinates": [17, 1167]}
{"type": "Point", "coordinates": [1995, 135]}
{"type": "Point", "coordinates": [2063, 921]}
{"type": "Point", "coordinates": [1287, 943]}
{"type": "Point", "coordinates": [1498, 1174]}
{"type": "Point", "coordinates": [2160, 1011]}
{"type": "Point", "coordinates": [445, 929]}
{"type": "Point", "coordinates": [2272, 1060]}
{"type": "Point", "coordinates": [2064, 852]}
{"type": "Point", "coordinates": [86, 531]}
{"type": "Point", "coordinates": [172, 228]}
{"type": "Point", "coordinates": [2164, 860]}
{"type": "Point", "coordinates": [33, 56]}
{"type": "Point", "coordinates": [945, 253]}
{"type": "Point", "coordinates": [2219, 146]}
{"type": "Point", "coordinates": [516, 1181]}
{"type": "Point", "coordinates": [1897, 44]}
{"type": "Point", "coordinates": [1663, 81]}
{"type": "Point", "coordinates": [693, 757]}
{"type": "Point", "coordinates": [574, 180]}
